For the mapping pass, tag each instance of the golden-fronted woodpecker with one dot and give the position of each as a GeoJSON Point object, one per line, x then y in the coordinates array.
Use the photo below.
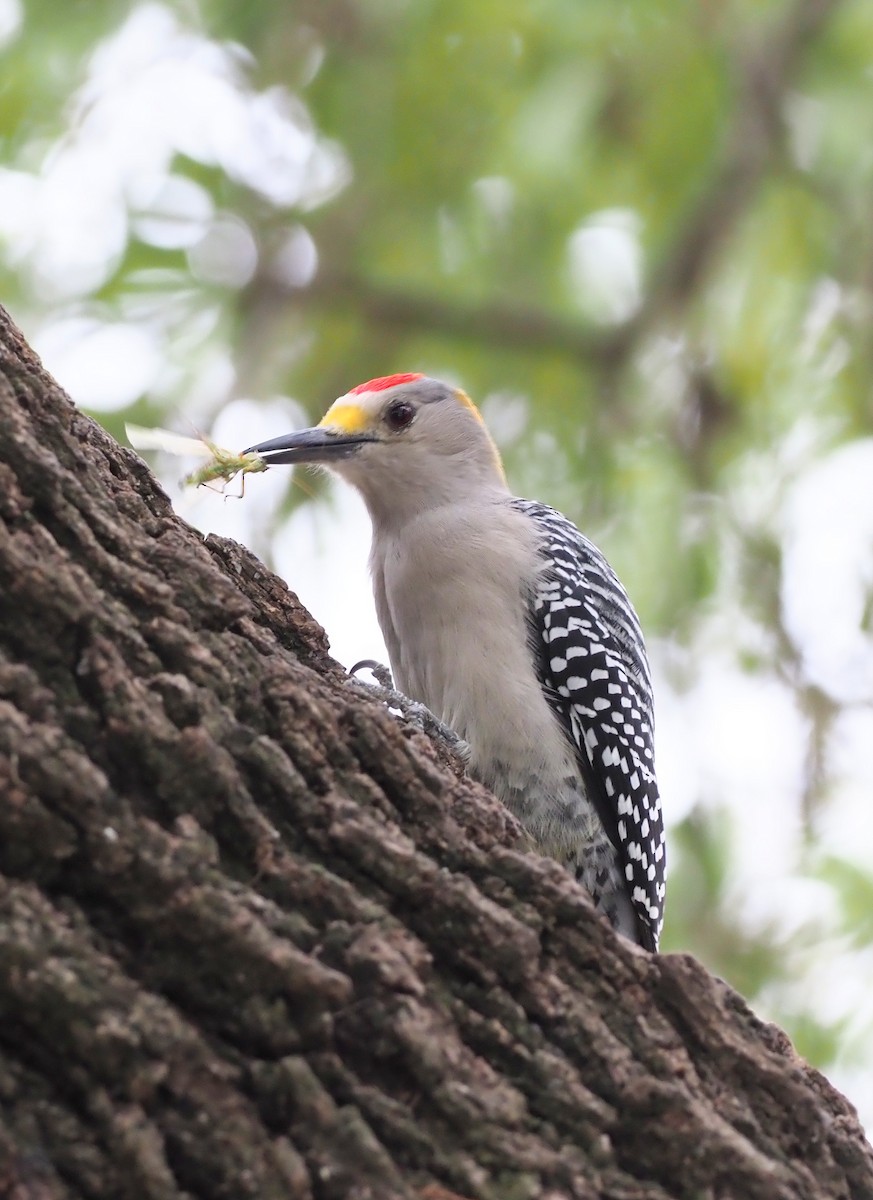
{"type": "Point", "coordinates": [511, 627]}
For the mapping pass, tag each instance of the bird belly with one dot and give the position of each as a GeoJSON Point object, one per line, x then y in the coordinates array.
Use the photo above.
{"type": "Point", "coordinates": [458, 642]}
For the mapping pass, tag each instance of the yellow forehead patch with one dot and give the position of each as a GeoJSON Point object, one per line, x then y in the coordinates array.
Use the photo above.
{"type": "Point", "coordinates": [350, 418]}
{"type": "Point", "coordinates": [464, 399]}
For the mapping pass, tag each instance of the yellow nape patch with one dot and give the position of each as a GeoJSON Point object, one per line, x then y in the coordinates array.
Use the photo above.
{"type": "Point", "coordinates": [350, 418]}
{"type": "Point", "coordinates": [464, 399]}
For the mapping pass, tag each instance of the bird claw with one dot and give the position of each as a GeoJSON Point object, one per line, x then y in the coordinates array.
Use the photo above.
{"type": "Point", "coordinates": [380, 672]}
{"type": "Point", "coordinates": [413, 711]}
{"type": "Point", "coordinates": [421, 716]}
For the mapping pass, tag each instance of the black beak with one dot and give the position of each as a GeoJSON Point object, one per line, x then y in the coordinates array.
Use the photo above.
{"type": "Point", "coordinates": [310, 446]}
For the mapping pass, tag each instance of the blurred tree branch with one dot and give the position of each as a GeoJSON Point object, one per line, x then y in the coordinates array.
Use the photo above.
{"type": "Point", "coordinates": [763, 77]}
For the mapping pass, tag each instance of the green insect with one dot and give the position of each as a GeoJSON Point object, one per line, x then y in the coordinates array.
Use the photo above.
{"type": "Point", "coordinates": [223, 465]}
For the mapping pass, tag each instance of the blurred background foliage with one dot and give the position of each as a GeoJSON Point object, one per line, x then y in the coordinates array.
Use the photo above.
{"type": "Point", "coordinates": [639, 233]}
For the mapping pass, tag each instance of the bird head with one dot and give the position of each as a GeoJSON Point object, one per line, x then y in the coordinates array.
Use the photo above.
{"type": "Point", "coordinates": [406, 442]}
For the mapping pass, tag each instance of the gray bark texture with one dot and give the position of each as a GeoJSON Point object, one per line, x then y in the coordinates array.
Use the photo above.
{"type": "Point", "coordinates": [258, 940]}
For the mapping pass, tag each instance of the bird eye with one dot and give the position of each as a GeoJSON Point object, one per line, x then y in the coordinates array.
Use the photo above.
{"type": "Point", "coordinates": [399, 414]}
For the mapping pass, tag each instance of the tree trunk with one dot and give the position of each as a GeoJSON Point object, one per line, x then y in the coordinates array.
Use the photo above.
{"type": "Point", "coordinates": [257, 940]}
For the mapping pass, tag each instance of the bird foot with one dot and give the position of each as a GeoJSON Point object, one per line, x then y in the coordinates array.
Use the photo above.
{"type": "Point", "coordinates": [414, 711]}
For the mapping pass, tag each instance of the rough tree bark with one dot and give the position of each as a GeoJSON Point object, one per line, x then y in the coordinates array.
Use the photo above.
{"type": "Point", "coordinates": [256, 940]}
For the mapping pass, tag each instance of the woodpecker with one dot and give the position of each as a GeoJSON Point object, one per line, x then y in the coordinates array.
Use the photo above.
{"type": "Point", "coordinates": [511, 627]}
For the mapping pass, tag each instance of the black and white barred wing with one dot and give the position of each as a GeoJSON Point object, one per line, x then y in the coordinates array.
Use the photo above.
{"type": "Point", "coordinates": [594, 667]}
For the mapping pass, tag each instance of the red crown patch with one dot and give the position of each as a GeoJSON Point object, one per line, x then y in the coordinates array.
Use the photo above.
{"type": "Point", "coordinates": [383, 382]}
